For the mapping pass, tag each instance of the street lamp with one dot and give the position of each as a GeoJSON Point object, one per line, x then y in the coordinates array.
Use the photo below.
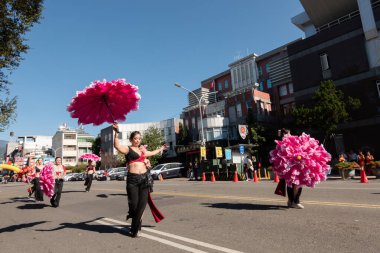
{"type": "Point", "coordinates": [199, 105]}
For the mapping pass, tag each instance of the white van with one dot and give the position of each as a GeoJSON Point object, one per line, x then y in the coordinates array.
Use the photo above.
{"type": "Point", "coordinates": [168, 170]}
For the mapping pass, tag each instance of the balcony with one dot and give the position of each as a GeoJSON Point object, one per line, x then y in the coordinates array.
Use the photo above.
{"type": "Point", "coordinates": [214, 122]}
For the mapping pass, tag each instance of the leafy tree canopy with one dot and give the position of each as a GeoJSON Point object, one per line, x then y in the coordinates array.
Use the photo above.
{"type": "Point", "coordinates": [16, 18]}
{"type": "Point", "coordinates": [153, 138]}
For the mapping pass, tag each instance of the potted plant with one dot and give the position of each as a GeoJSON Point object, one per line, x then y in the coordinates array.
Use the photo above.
{"type": "Point", "coordinates": [347, 169]}
{"type": "Point", "coordinates": [374, 167]}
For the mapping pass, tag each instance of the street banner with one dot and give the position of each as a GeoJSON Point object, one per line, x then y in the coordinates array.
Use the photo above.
{"type": "Point", "coordinates": [243, 131]}
{"type": "Point", "coordinates": [228, 154]}
{"type": "Point", "coordinates": [219, 152]}
{"type": "Point", "coordinates": [241, 149]}
{"type": "Point", "coordinates": [203, 152]}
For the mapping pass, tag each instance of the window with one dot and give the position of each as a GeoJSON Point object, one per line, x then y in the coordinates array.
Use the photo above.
{"type": "Point", "coordinates": [283, 90]}
{"type": "Point", "coordinates": [378, 87]}
{"type": "Point", "coordinates": [251, 70]}
{"type": "Point", "coordinates": [170, 145]}
{"type": "Point", "coordinates": [249, 105]}
{"type": "Point", "coordinates": [290, 86]}
{"type": "Point", "coordinates": [169, 129]}
{"type": "Point", "coordinates": [193, 122]}
{"type": "Point", "coordinates": [235, 77]}
{"type": "Point", "coordinates": [232, 114]}
{"type": "Point", "coordinates": [69, 137]}
{"type": "Point", "coordinates": [243, 72]}
{"type": "Point", "coordinates": [220, 86]}
{"type": "Point", "coordinates": [267, 68]}
{"type": "Point", "coordinates": [269, 84]}
{"type": "Point", "coordinates": [238, 110]}
{"type": "Point", "coordinates": [324, 62]}
{"type": "Point", "coordinates": [260, 70]}
{"type": "Point", "coordinates": [226, 84]}
{"type": "Point", "coordinates": [261, 87]}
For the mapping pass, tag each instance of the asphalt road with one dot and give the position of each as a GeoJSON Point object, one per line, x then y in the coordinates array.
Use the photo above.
{"type": "Point", "coordinates": [339, 216]}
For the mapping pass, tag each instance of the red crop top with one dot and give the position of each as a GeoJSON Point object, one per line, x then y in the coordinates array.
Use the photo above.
{"type": "Point", "coordinates": [132, 156]}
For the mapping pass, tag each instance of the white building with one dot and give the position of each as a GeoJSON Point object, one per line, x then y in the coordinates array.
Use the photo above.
{"type": "Point", "coordinates": [169, 128]}
{"type": "Point", "coordinates": [34, 144]}
{"type": "Point", "coordinates": [70, 144]}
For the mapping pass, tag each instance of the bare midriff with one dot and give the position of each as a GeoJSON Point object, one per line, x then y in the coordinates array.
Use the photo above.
{"type": "Point", "coordinates": [137, 168]}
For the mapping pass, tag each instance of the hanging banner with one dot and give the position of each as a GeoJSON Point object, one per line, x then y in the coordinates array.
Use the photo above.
{"type": "Point", "coordinates": [219, 152]}
{"type": "Point", "coordinates": [203, 152]}
{"type": "Point", "coordinates": [243, 131]}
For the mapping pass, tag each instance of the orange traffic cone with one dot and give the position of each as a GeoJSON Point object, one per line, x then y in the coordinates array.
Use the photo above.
{"type": "Point", "coordinates": [255, 179]}
{"type": "Point", "coordinates": [161, 178]}
{"type": "Point", "coordinates": [236, 177]}
{"type": "Point", "coordinates": [203, 177]}
{"type": "Point", "coordinates": [212, 176]}
{"type": "Point", "coordinates": [276, 179]}
{"type": "Point", "coordinates": [363, 177]}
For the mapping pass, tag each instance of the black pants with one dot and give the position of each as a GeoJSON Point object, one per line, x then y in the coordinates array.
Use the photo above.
{"type": "Point", "coordinates": [38, 195]}
{"type": "Point", "coordinates": [291, 197]}
{"type": "Point", "coordinates": [57, 193]}
{"type": "Point", "coordinates": [89, 178]}
{"type": "Point", "coordinates": [137, 191]}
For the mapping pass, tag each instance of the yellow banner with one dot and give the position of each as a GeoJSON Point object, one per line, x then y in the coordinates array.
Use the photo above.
{"type": "Point", "coordinates": [203, 152]}
{"type": "Point", "coordinates": [219, 152]}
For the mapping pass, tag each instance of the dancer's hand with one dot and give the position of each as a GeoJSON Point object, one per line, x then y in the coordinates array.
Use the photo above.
{"type": "Point", "coordinates": [115, 127]}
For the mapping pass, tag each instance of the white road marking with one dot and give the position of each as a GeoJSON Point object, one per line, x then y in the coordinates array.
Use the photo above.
{"type": "Point", "coordinates": [180, 238]}
{"type": "Point", "coordinates": [154, 238]}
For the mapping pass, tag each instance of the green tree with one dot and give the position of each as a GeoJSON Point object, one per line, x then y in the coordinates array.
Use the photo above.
{"type": "Point", "coordinates": [96, 146]}
{"type": "Point", "coordinates": [182, 137]}
{"type": "Point", "coordinates": [16, 19]}
{"type": "Point", "coordinates": [153, 138]}
{"type": "Point", "coordinates": [330, 107]}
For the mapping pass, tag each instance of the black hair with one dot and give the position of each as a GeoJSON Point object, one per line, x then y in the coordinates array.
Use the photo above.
{"type": "Point", "coordinates": [133, 134]}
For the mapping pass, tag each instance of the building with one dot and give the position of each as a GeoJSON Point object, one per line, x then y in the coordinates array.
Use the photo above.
{"type": "Point", "coordinates": [169, 129]}
{"type": "Point", "coordinates": [69, 144]}
{"type": "Point", "coordinates": [342, 44]}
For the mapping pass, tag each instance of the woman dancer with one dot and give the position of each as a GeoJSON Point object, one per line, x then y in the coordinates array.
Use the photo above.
{"type": "Point", "coordinates": [137, 178]}
{"type": "Point", "coordinates": [90, 169]}
{"type": "Point", "coordinates": [59, 172]}
{"type": "Point", "coordinates": [38, 194]}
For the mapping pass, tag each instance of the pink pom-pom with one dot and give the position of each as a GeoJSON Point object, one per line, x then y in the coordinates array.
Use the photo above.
{"type": "Point", "coordinates": [300, 160]}
{"type": "Point", "coordinates": [47, 180]}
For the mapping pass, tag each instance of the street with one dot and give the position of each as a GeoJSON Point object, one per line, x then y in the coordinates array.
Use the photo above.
{"type": "Point", "coordinates": [339, 216]}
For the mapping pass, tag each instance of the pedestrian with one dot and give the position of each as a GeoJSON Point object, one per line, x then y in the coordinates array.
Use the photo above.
{"type": "Point", "coordinates": [352, 156]}
{"type": "Point", "coordinates": [341, 158]}
{"type": "Point", "coordinates": [196, 170]}
{"type": "Point", "coordinates": [250, 168]}
{"type": "Point", "coordinates": [361, 160]}
{"type": "Point", "coordinates": [90, 172]}
{"type": "Point", "coordinates": [59, 172]}
{"type": "Point", "coordinates": [138, 180]}
{"type": "Point", "coordinates": [38, 194]}
{"type": "Point", "coordinates": [369, 158]}
{"type": "Point", "coordinates": [190, 171]}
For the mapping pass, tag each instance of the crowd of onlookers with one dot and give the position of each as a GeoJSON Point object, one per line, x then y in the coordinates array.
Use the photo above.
{"type": "Point", "coordinates": [360, 158]}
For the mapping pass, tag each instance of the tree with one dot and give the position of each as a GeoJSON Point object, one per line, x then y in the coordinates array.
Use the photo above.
{"type": "Point", "coordinates": [16, 19]}
{"type": "Point", "coordinates": [183, 137]}
{"type": "Point", "coordinates": [96, 146]}
{"type": "Point", "coordinates": [330, 108]}
{"type": "Point", "coordinates": [153, 138]}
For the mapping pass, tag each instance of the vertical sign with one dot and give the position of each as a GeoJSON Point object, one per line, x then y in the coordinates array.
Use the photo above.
{"type": "Point", "coordinates": [228, 154]}
{"type": "Point", "coordinates": [243, 131]}
{"type": "Point", "coordinates": [203, 152]}
{"type": "Point", "coordinates": [219, 152]}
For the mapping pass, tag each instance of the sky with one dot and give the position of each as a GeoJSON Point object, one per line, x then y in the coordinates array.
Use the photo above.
{"type": "Point", "coordinates": [152, 44]}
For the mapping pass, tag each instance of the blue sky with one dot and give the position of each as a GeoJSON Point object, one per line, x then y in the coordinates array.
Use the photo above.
{"type": "Point", "coordinates": [151, 43]}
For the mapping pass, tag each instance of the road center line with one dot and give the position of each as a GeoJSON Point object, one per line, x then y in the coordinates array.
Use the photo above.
{"type": "Point", "coordinates": [181, 238]}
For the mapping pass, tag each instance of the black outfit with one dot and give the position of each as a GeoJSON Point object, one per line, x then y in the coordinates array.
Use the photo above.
{"type": "Point", "coordinates": [137, 191]}
{"type": "Point", "coordinates": [291, 197]}
{"type": "Point", "coordinates": [89, 179]}
{"type": "Point", "coordinates": [36, 188]}
{"type": "Point", "coordinates": [57, 193]}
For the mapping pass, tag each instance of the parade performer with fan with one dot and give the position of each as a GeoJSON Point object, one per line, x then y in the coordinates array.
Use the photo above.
{"type": "Point", "coordinates": [38, 194]}
{"type": "Point", "coordinates": [299, 161]}
{"type": "Point", "coordinates": [138, 181]}
{"type": "Point", "coordinates": [59, 172]}
{"type": "Point", "coordinates": [90, 170]}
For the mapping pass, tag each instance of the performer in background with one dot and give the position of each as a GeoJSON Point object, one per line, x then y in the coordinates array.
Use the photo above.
{"type": "Point", "coordinates": [59, 172]}
{"type": "Point", "coordinates": [90, 170]}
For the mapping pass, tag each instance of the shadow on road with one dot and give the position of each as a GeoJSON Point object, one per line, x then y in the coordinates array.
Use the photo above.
{"type": "Point", "coordinates": [72, 191]}
{"type": "Point", "coordinates": [102, 196]}
{"type": "Point", "coordinates": [243, 206]}
{"type": "Point", "coordinates": [32, 206]}
{"type": "Point", "coordinates": [20, 226]}
{"type": "Point", "coordinates": [17, 199]}
{"type": "Point", "coordinates": [89, 227]}
{"type": "Point", "coordinates": [375, 193]}
{"type": "Point", "coordinates": [118, 194]}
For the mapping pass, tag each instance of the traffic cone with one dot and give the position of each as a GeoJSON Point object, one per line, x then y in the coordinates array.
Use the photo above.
{"type": "Point", "coordinates": [255, 179]}
{"type": "Point", "coordinates": [161, 178]}
{"type": "Point", "coordinates": [203, 177]}
{"type": "Point", "coordinates": [363, 177]}
{"type": "Point", "coordinates": [212, 176]}
{"type": "Point", "coordinates": [276, 179]}
{"type": "Point", "coordinates": [236, 177]}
